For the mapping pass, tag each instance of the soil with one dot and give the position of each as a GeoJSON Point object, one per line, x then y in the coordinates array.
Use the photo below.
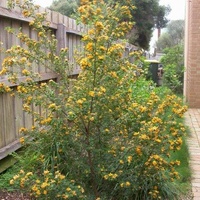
{"type": "Point", "coordinates": [4, 195]}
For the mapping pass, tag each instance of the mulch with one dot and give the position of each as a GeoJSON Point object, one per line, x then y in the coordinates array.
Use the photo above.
{"type": "Point", "coordinates": [4, 195]}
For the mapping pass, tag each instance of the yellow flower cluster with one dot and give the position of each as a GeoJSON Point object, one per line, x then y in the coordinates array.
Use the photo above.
{"type": "Point", "coordinates": [126, 184]}
{"type": "Point", "coordinates": [53, 106]}
{"type": "Point", "coordinates": [4, 70]}
{"type": "Point", "coordinates": [22, 130]}
{"type": "Point", "coordinates": [21, 89]}
{"type": "Point", "coordinates": [84, 63]}
{"type": "Point", "coordinates": [46, 121]}
{"type": "Point", "coordinates": [89, 46]}
{"type": "Point", "coordinates": [180, 110]}
{"type": "Point", "coordinates": [91, 93]}
{"type": "Point", "coordinates": [157, 162]}
{"type": "Point", "coordinates": [117, 49]}
{"type": "Point", "coordinates": [26, 13]}
{"type": "Point", "coordinates": [13, 78]}
{"type": "Point", "coordinates": [4, 88]}
{"type": "Point", "coordinates": [154, 193]}
{"type": "Point", "coordinates": [110, 176]}
{"type": "Point", "coordinates": [138, 150]}
{"type": "Point", "coordinates": [25, 72]}
{"type": "Point", "coordinates": [22, 140]}
{"type": "Point", "coordinates": [22, 178]}
{"type": "Point", "coordinates": [41, 188]}
{"type": "Point", "coordinates": [129, 159]}
{"type": "Point", "coordinates": [99, 26]}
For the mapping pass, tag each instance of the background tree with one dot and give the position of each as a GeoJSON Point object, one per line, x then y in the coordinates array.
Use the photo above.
{"type": "Point", "coordinates": [65, 7]}
{"type": "Point", "coordinates": [147, 16]}
{"type": "Point", "coordinates": [174, 35]}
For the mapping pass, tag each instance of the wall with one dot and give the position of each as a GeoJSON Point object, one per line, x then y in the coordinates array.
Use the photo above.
{"type": "Point", "coordinates": [192, 54]}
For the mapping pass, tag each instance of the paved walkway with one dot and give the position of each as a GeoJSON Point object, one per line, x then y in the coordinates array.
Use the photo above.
{"type": "Point", "coordinates": [192, 119]}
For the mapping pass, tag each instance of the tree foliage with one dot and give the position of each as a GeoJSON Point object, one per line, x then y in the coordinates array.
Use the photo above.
{"type": "Point", "coordinates": [65, 7]}
{"type": "Point", "coordinates": [147, 16]}
{"type": "Point", "coordinates": [174, 35]}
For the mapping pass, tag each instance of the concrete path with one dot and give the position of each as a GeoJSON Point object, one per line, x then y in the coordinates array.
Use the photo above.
{"type": "Point", "coordinates": [192, 119]}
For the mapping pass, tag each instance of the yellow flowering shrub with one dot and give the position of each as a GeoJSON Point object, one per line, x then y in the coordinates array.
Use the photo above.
{"type": "Point", "coordinates": [50, 185]}
{"type": "Point", "coordinates": [111, 134]}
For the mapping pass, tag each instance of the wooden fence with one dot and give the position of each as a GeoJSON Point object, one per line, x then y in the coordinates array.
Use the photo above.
{"type": "Point", "coordinates": [68, 34]}
{"type": "Point", "coordinates": [12, 116]}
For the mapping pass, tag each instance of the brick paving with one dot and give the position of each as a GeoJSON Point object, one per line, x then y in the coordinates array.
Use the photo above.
{"type": "Point", "coordinates": [192, 120]}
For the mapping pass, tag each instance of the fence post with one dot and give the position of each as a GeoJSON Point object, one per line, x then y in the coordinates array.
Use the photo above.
{"type": "Point", "coordinates": [61, 36]}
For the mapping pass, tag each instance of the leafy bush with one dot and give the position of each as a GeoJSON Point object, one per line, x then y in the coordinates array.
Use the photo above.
{"type": "Point", "coordinates": [173, 62]}
{"type": "Point", "coordinates": [108, 136]}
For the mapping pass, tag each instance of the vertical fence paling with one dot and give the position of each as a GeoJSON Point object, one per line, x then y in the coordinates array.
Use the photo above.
{"type": "Point", "coordinates": [12, 116]}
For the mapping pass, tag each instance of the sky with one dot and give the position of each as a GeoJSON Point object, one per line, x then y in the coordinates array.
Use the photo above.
{"type": "Point", "coordinates": [43, 3]}
{"type": "Point", "coordinates": [177, 8]}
